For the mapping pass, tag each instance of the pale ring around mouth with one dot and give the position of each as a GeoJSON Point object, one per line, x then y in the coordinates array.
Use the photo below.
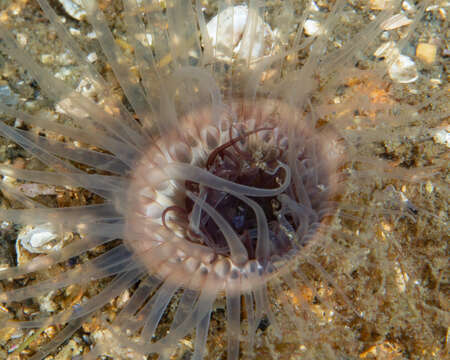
{"type": "Point", "coordinates": [232, 198]}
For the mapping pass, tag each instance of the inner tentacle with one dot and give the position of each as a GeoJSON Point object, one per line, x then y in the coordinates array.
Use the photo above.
{"type": "Point", "coordinates": [246, 192]}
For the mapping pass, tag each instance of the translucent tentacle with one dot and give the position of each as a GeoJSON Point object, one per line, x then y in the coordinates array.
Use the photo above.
{"type": "Point", "coordinates": [19, 196]}
{"type": "Point", "coordinates": [62, 336]}
{"type": "Point", "coordinates": [237, 249]}
{"type": "Point", "coordinates": [263, 244]}
{"type": "Point", "coordinates": [115, 288]}
{"type": "Point", "coordinates": [188, 172]}
{"type": "Point", "coordinates": [97, 138]}
{"type": "Point", "coordinates": [43, 262]}
{"type": "Point", "coordinates": [118, 62]}
{"type": "Point", "coordinates": [70, 216]}
{"type": "Point", "coordinates": [110, 263]}
{"type": "Point", "coordinates": [162, 299]}
{"type": "Point", "coordinates": [233, 295]}
{"type": "Point", "coordinates": [96, 159]}
{"type": "Point", "coordinates": [65, 179]}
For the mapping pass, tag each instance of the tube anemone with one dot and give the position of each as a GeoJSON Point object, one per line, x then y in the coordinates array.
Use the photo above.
{"type": "Point", "coordinates": [220, 172]}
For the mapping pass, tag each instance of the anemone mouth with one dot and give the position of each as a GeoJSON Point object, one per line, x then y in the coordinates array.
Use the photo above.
{"type": "Point", "coordinates": [233, 193]}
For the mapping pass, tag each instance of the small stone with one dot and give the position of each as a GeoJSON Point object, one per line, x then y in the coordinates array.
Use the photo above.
{"type": "Point", "coordinates": [69, 351]}
{"type": "Point", "coordinates": [18, 123]}
{"type": "Point", "coordinates": [426, 53]}
{"type": "Point", "coordinates": [92, 57]}
{"type": "Point", "coordinates": [22, 39]}
{"type": "Point", "coordinates": [91, 35]}
{"type": "Point", "coordinates": [8, 333]}
{"type": "Point", "coordinates": [379, 4]}
{"type": "Point", "coordinates": [74, 31]}
{"type": "Point", "coordinates": [146, 40]}
{"type": "Point", "coordinates": [408, 7]}
{"type": "Point", "coordinates": [105, 338]}
{"type": "Point", "coordinates": [65, 58]}
{"type": "Point", "coordinates": [7, 96]}
{"type": "Point", "coordinates": [64, 73]}
{"type": "Point", "coordinates": [312, 27]}
{"type": "Point", "coordinates": [47, 59]}
{"type": "Point", "coordinates": [442, 137]}
{"type": "Point", "coordinates": [46, 303]}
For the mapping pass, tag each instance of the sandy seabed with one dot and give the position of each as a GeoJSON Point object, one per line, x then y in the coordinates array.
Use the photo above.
{"type": "Point", "coordinates": [397, 277]}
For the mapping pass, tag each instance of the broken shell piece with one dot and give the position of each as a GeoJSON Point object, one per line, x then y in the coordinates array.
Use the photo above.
{"type": "Point", "coordinates": [74, 8]}
{"type": "Point", "coordinates": [33, 190]}
{"type": "Point", "coordinates": [38, 240]}
{"type": "Point", "coordinates": [68, 107]}
{"type": "Point", "coordinates": [239, 32]}
{"type": "Point", "coordinates": [395, 22]}
{"type": "Point", "coordinates": [387, 50]}
{"type": "Point", "coordinates": [403, 70]}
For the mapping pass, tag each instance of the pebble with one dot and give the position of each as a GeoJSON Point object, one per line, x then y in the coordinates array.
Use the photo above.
{"type": "Point", "coordinates": [65, 58]}
{"type": "Point", "coordinates": [145, 39]}
{"type": "Point", "coordinates": [92, 57]}
{"type": "Point", "coordinates": [64, 73]}
{"type": "Point", "coordinates": [7, 96]}
{"type": "Point", "coordinates": [312, 27]}
{"type": "Point", "coordinates": [74, 31]}
{"type": "Point", "coordinates": [442, 137]}
{"type": "Point", "coordinates": [22, 39]}
{"type": "Point", "coordinates": [105, 338]}
{"type": "Point", "coordinates": [426, 53]}
{"type": "Point", "coordinates": [47, 59]}
{"type": "Point", "coordinates": [379, 4]}
{"type": "Point", "coordinates": [408, 6]}
{"type": "Point", "coordinates": [47, 304]}
{"type": "Point", "coordinates": [69, 351]}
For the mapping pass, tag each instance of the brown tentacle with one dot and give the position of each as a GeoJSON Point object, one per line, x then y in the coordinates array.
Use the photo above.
{"type": "Point", "coordinates": [172, 208]}
{"type": "Point", "coordinates": [222, 147]}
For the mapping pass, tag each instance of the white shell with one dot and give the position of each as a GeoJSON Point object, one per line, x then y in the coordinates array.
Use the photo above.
{"type": "Point", "coordinates": [233, 36]}
{"type": "Point", "coordinates": [442, 137]}
{"type": "Point", "coordinates": [395, 22]}
{"type": "Point", "coordinates": [38, 240]}
{"type": "Point", "coordinates": [73, 8]}
{"type": "Point", "coordinates": [403, 70]}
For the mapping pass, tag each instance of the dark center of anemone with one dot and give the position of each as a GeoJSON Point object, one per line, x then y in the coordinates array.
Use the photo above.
{"type": "Point", "coordinates": [245, 167]}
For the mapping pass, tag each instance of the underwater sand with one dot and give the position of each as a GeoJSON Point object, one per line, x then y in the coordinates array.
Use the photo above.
{"type": "Point", "coordinates": [406, 314]}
